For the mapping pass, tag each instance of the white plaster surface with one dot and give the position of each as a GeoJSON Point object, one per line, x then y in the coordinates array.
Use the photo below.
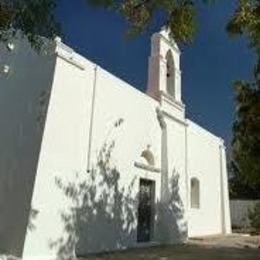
{"type": "Point", "coordinates": [86, 187]}
{"type": "Point", "coordinates": [20, 136]}
{"type": "Point", "coordinates": [204, 163]}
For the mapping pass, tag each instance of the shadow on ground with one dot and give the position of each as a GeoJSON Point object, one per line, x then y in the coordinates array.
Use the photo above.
{"type": "Point", "coordinates": [182, 252]}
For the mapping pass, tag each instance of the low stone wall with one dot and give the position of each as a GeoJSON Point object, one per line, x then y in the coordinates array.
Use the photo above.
{"type": "Point", "coordinates": [239, 213]}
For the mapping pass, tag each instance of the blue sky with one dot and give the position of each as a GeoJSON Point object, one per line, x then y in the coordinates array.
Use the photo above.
{"type": "Point", "coordinates": [209, 65]}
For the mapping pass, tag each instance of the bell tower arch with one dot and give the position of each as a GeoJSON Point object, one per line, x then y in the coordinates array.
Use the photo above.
{"type": "Point", "coordinates": [170, 74]}
{"type": "Point", "coordinates": [164, 75]}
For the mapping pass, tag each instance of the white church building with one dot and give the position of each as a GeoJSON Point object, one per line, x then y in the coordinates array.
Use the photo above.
{"type": "Point", "coordinates": [89, 164]}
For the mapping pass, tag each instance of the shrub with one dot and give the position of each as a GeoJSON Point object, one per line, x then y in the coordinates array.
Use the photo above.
{"type": "Point", "coordinates": [254, 217]}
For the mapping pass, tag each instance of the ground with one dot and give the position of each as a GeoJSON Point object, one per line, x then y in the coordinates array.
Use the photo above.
{"type": "Point", "coordinates": [210, 248]}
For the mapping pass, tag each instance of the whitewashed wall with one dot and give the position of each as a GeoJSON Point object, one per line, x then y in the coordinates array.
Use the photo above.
{"type": "Point", "coordinates": [85, 195]}
{"type": "Point", "coordinates": [205, 163]}
{"type": "Point", "coordinates": [64, 155]}
{"type": "Point", "coordinates": [176, 223]}
{"type": "Point", "coordinates": [20, 136]}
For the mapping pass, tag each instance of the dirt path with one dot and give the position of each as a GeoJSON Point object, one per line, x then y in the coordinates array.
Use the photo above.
{"type": "Point", "coordinates": [231, 241]}
{"type": "Point", "coordinates": [207, 248]}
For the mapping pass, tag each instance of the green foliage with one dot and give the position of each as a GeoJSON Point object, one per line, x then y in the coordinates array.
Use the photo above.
{"type": "Point", "coordinates": [246, 21]}
{"type": "Point", "coordinates": [246, 142]}
{"type": "Point", "coordinates": [240, 188]}
{"type": "Point", "coordinates": [179, 15]}
{"type": "Point", "coordinates": [6, 16]}
{"type": "Point", "coordinates": [254, 217]}
{"type": "Point", "coordinates": [34, 18]}
{"type": "Point", "coordinates": [246, 128]}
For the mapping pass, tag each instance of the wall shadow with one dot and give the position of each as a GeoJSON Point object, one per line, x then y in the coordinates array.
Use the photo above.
{"type": "Point", "coordinates": [171, 224]}
{"type": "Point", "coordinates": [20, 142]}
{"type": "Point", "coordinates": [103, 210]}
{"type": "Point", "coordinates": [102, 215]}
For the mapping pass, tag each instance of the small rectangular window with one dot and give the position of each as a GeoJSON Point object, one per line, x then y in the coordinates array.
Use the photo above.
{"type": "Point", "coordinates": [195, 193]}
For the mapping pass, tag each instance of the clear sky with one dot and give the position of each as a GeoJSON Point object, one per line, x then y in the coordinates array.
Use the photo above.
{"type": "Point", "coordinates": [209, 65]}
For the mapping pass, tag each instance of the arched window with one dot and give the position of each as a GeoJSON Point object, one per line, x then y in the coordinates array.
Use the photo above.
{"type": "Point", "coordinates": [148, 155]}
{"type": "Point", "coordinates": [195, 193]}
{"type": "Point", "coordinates": [170, 74]}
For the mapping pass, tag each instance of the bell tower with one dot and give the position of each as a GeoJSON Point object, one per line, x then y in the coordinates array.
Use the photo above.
{"type": "Point", "coordinates": [164, 75]}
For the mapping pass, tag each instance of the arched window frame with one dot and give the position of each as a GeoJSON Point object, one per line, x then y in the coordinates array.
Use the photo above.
{"type": "Point", "coordinates": [195, 193]}
{"type": "Point", "coordinates": [170, 74]}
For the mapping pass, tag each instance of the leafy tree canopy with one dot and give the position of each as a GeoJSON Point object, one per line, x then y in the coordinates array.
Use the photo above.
{"type": "Point", "coordinates": [36, 17]}
{"type": "Point", "coordinates": [33, 17]}
{"type": "Point", "coordinates": [246, 128]}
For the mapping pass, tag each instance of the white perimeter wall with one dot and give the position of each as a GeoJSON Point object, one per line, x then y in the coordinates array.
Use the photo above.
{"type": "Point", "coordinates": [239, 210]}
